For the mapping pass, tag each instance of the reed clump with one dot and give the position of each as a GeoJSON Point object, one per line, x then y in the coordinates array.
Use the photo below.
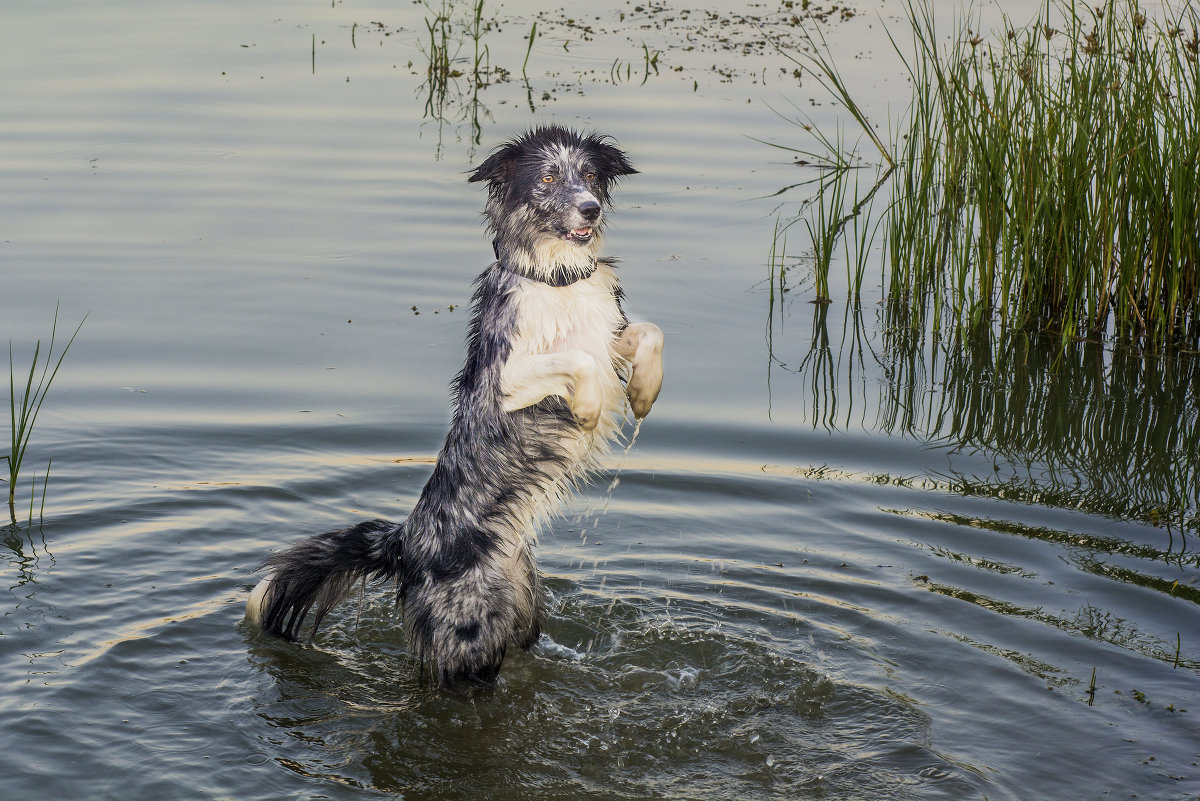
{"type": "Point", "coordinates": [25, 407]}
{"type": "Point", "coordinates": [1047, 178]}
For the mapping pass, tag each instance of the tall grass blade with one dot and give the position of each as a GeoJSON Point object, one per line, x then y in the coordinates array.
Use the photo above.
{"type": "Point", "coordinates": [822, 67]}
{"type": "Point", "coordinates": [23, 414]}
{"type": "Point", "coordinates": [529, 48]}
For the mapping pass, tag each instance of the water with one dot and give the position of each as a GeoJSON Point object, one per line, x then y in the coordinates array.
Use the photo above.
{"type": "Point", "coordinates": [836, 564]}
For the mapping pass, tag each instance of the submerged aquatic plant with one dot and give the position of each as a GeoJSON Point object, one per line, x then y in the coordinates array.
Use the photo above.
{"type": "Point", "coordinates": [23, 411]}
{"type": "Point", "coordinates": [1049, 180]}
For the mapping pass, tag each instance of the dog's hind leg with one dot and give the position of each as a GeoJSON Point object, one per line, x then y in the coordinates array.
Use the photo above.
{"type": "Point", "coordinates": [641, 345]}
{"type": "Point", "coordinates": [573, 374]}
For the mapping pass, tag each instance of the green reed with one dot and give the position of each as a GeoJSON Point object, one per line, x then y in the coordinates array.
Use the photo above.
{"type": "Point", "coordinates": [24, 410]}
{"type": "Point", "coordinates": [529, 49]}
{"type": "Point", "coordinates": [826, 228]}
{"type": "Point", "coordinates": [621, 71]}
{"type": "Point", "coordinates": [476, 28]}
{"type": "Point", "coordinates": [440, 70]}
{"type": "Point", "coordinates": [1048, 179]}
{"type": "Point", "coordinates": [450, 29]}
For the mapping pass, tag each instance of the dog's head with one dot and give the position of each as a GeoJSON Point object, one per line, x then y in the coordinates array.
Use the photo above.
{"type": "Point", "coordinates": [547, 191]}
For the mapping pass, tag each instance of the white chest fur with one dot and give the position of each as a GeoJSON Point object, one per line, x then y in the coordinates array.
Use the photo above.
{"type": "Point", "coordinates": [581, 316]}
{"type": "Point", "coordinates": [564, 345]}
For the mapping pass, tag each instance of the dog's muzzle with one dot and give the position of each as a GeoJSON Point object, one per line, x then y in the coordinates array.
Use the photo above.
{"type": "Point", "coordinates": [589, 210]}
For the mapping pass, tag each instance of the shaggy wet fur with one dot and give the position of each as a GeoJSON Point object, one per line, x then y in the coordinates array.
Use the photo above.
{"type": "Point", "coordinates": [551, 362]}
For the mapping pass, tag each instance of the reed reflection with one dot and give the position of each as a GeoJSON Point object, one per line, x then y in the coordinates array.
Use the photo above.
{"type": "Point", "coordinates": [1110, 430]}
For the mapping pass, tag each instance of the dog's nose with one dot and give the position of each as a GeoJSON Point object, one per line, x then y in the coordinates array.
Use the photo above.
{"type": "Point", "coordinates": [590, 210]}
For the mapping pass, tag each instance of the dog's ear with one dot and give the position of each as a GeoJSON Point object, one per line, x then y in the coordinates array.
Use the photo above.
{"type": "Point", "coordinates": [612, 161]}
{"type": "Point", "coordinates": [495, 168]}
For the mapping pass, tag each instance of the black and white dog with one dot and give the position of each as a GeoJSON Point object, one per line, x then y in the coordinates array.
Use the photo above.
{"type": "Point", "coordinates": [551, 359]}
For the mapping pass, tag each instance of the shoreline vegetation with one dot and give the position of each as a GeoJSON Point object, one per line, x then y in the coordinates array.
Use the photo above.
{"type": "Point", "coordinates": [23, 414]}
{"type": "Point", "coordinates": [1044, 179]}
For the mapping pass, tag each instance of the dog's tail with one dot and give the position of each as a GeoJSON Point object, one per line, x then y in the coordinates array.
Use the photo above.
{"type": "Point", "coordinates": [317, 573]}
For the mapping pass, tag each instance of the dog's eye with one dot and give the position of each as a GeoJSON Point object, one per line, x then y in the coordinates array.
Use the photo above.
{"type": "Point", "coordinates": [547, 179]}
{"type": "Point", "coordinates": [591, 176]}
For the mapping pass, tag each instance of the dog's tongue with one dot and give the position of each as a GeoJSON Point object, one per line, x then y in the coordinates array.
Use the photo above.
{"type": "Point", "coordinates": [582, 232]}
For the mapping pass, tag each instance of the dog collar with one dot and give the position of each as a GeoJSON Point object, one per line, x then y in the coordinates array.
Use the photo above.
{"type": "Point", "coordinates": [560, 276]}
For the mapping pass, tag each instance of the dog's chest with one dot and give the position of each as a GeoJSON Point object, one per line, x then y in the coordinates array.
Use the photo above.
{"type": "Point", "coordinates": [581, 316]}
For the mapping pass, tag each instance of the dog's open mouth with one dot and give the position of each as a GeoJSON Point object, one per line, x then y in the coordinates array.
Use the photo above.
{"type": "Point", "coordinates": [580, 235]}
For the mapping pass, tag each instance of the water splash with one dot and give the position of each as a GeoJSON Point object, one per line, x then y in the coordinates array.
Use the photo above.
{"type": "Point", "coordinates": [589, 511]}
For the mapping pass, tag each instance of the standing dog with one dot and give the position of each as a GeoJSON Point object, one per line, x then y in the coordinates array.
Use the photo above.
{"type": "Point", "coordinates": [551, 359]}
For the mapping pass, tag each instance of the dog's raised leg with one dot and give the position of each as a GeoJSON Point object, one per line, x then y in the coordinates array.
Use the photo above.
{"type": "Point", "coordinates": [573, 374]}
{"type": "Point", "coordinates": [641, 345]}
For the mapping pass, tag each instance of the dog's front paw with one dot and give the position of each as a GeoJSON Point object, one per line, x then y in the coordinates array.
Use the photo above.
{"type": "Point", "coordinates": [586, 405]}
{"type": "Point", "coordinates": [644, 344]}
{"type": "Point", "coordinates": [643, 389]}
{"type": "Point", "coordinates": [641, 401]}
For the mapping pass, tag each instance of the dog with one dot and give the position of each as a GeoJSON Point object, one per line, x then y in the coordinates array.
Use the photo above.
{"type": "Point", "coordinates": [553, 366]}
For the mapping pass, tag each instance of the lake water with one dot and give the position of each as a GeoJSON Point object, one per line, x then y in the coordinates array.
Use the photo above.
{"type": "Point", "coordinates": [837, 562]}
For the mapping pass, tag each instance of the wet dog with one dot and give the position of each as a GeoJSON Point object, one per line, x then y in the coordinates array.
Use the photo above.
{"type": "Point", "coordinates": [553, 365]}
